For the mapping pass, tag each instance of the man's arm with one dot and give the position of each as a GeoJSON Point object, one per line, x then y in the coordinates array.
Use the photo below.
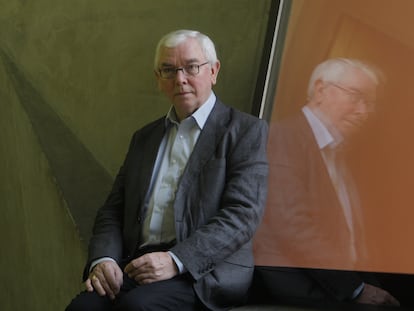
{"type": "Point", "coordinates": [233, 187]}
{"type": "Point", "coordinates": [107, 238]}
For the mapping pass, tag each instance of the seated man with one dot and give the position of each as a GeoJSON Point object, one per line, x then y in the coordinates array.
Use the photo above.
{"type": "Point", "coordinates": [176, 231]}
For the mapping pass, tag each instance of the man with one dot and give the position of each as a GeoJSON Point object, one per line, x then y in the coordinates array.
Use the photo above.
{"type": "Point", "coordinates": [313, 203]}
{"type": "Point", "coordinates": [175, 232]}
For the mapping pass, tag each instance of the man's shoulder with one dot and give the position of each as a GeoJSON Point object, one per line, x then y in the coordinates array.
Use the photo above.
{"type": "Point", "coordinates": [294, 125]}
{"type": "Point", "coordinates": [292, 132]}
{"type": "Point", "coordinates": [295, 121]}
{"type": "Point", "coordinates": [235, 115]}
{"type": "Point", "coordinates": [149, 127]}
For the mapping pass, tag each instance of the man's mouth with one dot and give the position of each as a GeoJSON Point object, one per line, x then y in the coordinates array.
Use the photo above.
{"type": "Point", "coordinates": [355, 123]}
{"type": "Point", "coordinates": [182, 93]}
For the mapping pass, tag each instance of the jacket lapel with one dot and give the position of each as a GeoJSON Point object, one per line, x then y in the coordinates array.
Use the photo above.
{"type": "Point", "coordinates": [149, 156]}
{"type": "Point", "coordinates": [210, 136]}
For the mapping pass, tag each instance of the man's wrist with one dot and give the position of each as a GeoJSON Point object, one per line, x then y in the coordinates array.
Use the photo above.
{"type": "Point", "coordinates": [178, 263]}
{"type": "Point", "coordinates": [99, 260]}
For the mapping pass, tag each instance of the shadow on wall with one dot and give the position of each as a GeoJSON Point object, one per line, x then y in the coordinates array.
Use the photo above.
{"type": "Point", "coordinates": [46, 170]}
{"type": "Point", "coordinates": [83, 181]}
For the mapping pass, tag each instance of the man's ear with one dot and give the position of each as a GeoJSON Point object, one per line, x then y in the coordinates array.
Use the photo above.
{"type": "Point", "coordinates": [215, 68]}
{"type": "Point", "coordinates": [318, 91]}
{"type": "Point", "coordinates": [157, 78]}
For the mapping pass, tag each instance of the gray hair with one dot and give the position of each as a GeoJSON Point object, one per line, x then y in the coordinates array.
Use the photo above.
{"type": "Point", "coordinates": [174, 38]}
{"type": "Point", "coordinates": [333, 69]}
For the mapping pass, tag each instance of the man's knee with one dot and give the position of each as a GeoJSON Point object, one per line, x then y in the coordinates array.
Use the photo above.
{"type": "Point", "coordinates": [174, 294]}
{"type": "Point", "coordinates": [87, 301]}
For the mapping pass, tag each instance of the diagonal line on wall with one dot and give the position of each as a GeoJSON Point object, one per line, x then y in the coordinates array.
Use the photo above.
{"type": "Point", "coordinates": [83, 182]}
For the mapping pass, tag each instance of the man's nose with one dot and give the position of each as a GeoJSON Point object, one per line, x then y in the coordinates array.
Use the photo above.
{"type": "Point", "coordinates": [180, 76]}
{"type": "Point", "coordinates": [363, 111]}
{"type": "Point", "coordinates": [363, 107]}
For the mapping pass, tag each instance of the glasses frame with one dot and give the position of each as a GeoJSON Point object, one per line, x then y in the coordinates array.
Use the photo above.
{"type": "Point", "coordinates": [356, 96]}
{"type": "Point", "coordinates": [172, 72]}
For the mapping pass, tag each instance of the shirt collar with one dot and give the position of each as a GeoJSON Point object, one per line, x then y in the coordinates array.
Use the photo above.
{"type": "Point", "coordinates": [200, 115]}
{"type": "Point", "coordinates": [325, 135]}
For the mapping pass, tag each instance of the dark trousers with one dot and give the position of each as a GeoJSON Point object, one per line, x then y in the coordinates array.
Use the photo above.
{"type": "Point", "coordinates": [174, 294]}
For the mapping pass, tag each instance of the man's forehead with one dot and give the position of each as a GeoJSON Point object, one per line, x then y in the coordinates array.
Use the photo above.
{"type": "Point", "coordinates": [172, 62]}
{"type": "Point", "coordinates": [188, 50]}
{"type": "Point", "coordinates": [357, 78]}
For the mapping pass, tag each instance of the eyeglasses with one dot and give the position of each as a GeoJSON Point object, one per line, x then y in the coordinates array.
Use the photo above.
{"type": "Point", "coordinates": [357, 97]}
{"type": "Point", "coordinates": [189, 70]}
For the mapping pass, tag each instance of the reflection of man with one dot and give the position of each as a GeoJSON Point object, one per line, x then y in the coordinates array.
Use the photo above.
{"type": "Point", "coordinates": [313, 217]}
{"type": "Point", "coordinates": [175, 232]}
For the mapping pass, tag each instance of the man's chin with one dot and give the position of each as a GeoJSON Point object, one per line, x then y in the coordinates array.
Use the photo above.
{"type": "Point", "coordinates": [184, 102]}
{"type": "Point", "coordinates": [350, 131]}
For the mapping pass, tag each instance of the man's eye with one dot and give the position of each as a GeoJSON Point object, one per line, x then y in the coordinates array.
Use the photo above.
{"type": "Point", "coordinates": [191, 67]}
{"type": "Point", "coordinates": [168, 70]}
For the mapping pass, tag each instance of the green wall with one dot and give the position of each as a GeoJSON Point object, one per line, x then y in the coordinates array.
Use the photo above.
{"type": "Point", "coordinates": [41, 254]}
{"type": "Point", "coordinates": [91, 63]}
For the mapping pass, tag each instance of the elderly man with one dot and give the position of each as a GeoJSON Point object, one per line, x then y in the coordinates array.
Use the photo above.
{"type": "Point", "coordinates": [313, 218]}
{"type": "Point", "coordinates": [175, 232]}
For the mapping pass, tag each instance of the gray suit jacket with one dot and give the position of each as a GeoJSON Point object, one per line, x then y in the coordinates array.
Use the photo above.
{"type": "Point", "coordinates": [219, 203]}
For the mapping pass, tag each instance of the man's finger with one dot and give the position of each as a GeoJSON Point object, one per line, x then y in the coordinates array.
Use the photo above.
{"type": "Point", "coordinates": [106, 287]}
{"type": "Point", "coordinates": [88, 285]}
{"type": "Point", "coordinates": [137, 263]}
{"type": "Point", "coordinates": [145, 278]}
{"type": "Point", "coordinates": [97, 285]}
{"type": "Point", "coordinates": [111, 282]}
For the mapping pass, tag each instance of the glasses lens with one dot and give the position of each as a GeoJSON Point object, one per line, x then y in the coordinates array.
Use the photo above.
{"type": "Point", "coordinates": [192, 69]}
{"type": "Point", "coordinates": [167, 73]}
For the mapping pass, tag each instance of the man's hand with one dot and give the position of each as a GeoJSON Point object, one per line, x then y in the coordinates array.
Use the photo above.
{"type": "Point", "coordinates": [106, 278]}
{"type": "Point", "coordinates": [376, 296]}
{"type": "Point", "coordinates": [152, 267]}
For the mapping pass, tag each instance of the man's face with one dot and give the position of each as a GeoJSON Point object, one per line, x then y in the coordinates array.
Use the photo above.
{"type": "Point", "coordinates": [186, 92]}
{"type": "Point", "coordinates": [347, 103]}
